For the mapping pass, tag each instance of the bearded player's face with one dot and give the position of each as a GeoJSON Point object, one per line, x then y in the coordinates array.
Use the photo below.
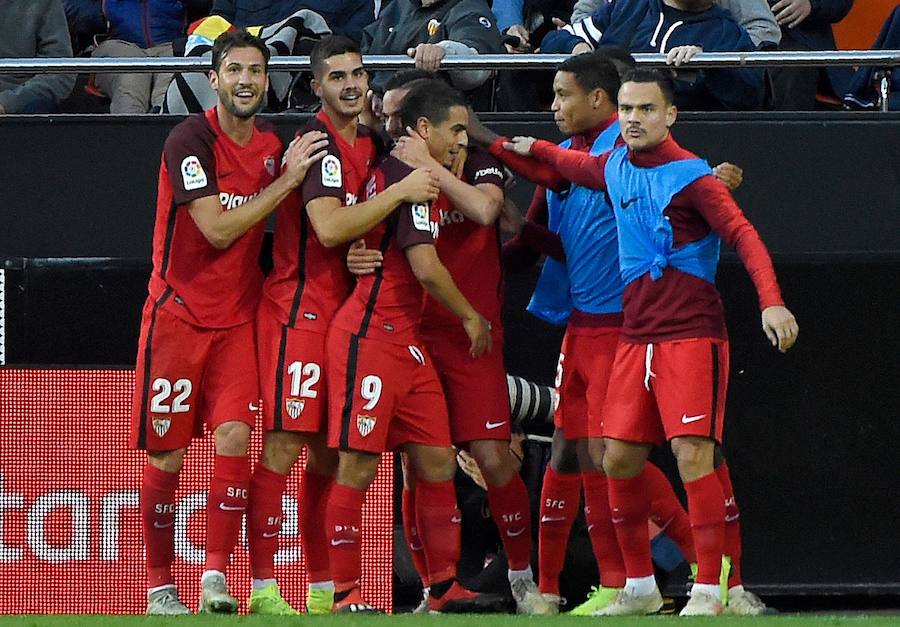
{"type": "Point", "coordinates": [446, 139]}
{"type": "Point", "coordinates": [241, 81]}
{"type": "Point", "coordinates": [342, 84]}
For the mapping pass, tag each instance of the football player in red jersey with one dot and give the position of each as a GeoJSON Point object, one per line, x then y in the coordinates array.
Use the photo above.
{"type": "Point", "coordinates": [391, 397]}
{"type": "Point", "coordinates": [469, 246]}
{"type": "Point", "coordinates": [218, 181]}
{"type": "Point", "coordinates": [308, 283]}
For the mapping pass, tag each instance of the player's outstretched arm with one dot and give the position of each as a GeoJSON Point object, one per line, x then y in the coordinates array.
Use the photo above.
{"type": "Point", "coordinates": [435, 278]}
{"type": "Point", "coordinates": [336, 224]}
{"type": "Point", "coordinates": [581, 168]}
{"type": "Point", "coordinates": [221, 228]}
{"type": "Point", "coordinates": [480, 203]}
{"type": "Point", "coordinates": [780, 327]}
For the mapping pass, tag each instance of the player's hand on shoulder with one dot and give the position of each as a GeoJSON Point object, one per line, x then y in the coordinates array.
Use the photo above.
{"type": "Point", "coordinates": [420, 185]}
{"type": "Point", "coordinates": [479, 331]}
{"type": "Point", "coordinates": [362, 260]}
{"type": "Point", "coordinates": [303, 152]}
{"type": "Point", "coordinates": [413, 151]}
{"type": "Point", "coordinates": [682, 54]}
{"type": "Point", "coordinates": [780, 326]}
{"type": "Point", "coordinates": [731, 175]}
{"type": "Point", "coordinates": [520, 145]}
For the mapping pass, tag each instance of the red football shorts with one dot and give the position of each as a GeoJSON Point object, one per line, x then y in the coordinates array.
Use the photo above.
{"type": "Point", "coordinates": [382, 395]}
{"type": "Point", "coordinates": [291, 376]}
{"type": "Point", "coordinates": [582, 374]}
{"type": "Point", "coordinates": [476, 390]}
{"type": "Point", "coordinates": [667, 390]}
{"type": "Point", "coordinates": [187, 376]}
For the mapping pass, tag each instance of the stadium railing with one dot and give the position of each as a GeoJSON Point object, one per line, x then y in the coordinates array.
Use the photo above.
{"type": "Point", "coordinates": [882, 59]}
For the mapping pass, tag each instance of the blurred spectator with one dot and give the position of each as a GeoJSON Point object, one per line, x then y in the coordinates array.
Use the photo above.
{"type": "Point", "coordinates": [680, 29]}
{"type": "Point", "coordinates": [523, 24]}
{"type": "Point", "coordinates": [138, 28]}
{"type": "Point", "coordinates": [33, 29]}
{"type": "Point", "coordinates": [344, 17]}
{"type": "Point", "coordinates": [863, 92]}
{"type": "Point", "coordinates": [429, 30]}
{"type": "Point", "coordinates": [754, 15]}
{"type": "Point", "coordinates": [806, 25]}
{"type": "Point", "coordinates": [295, 35]}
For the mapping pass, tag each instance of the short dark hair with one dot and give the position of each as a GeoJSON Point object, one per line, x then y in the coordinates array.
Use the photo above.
{"type": "Point", "coordinates": [649, 75]}
{"type": "Point", "coordinates": [593, 71]}
{"type": "Point", "coordinates": [430, 99]}
{"type": "Point", "coordinates": [405, 77]}
{"type": "Point", "coordinates": [330, 46]}
{"type": "Point", "coordinates": [239, 38]}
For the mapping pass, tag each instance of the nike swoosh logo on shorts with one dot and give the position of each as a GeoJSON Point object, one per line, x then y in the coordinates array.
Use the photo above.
{"type": "Point", "coordinates": [455, 519]}
{"type": "Point", "coordinates": [337, 541]}
{"type": "Point", "coordinates": [253, 407]}
{"type": "Point", "coordinates": [494, 425]}
{"type": "Point", "coordinates": [159, 526]}
{"type": "Point", "coordinates": [231, 508]}
{"type": "Point", "coordinates": [732, 518]}
{"type": "Point", "coordinates": [269, 535]}
{"type": "Point", "coordinates": [552, 518]}
{"type": "Point", "coordinates": [686, 420]}
{"type": "Point", "coordinates": [616, 521]}
{"type": "Point", "coordinates": [513, 534]}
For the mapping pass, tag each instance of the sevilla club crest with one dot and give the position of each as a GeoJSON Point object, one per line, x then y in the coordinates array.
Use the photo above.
{"type": "Point", "coordinates": [161, 426]}
{"type": "Point", "coordinates": [365, 424]}
{"type": "Point", "coordinates": [294, 407]}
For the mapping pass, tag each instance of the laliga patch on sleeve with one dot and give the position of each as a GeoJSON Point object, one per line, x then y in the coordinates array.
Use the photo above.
{"type": "Point", "coordinates": [331, 171]}
{"type": "Point", "coordinates": [484, 22]}
{"type": "Point", "coordinates": [192, 174]}
{"type": "Point", "coordinates": [421, 218]}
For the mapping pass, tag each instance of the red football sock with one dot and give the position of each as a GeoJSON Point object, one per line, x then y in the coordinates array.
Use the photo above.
{"type": "Point", "coordinates": [264, 520]}
{"type": "Point", "coordinates": [225, 508]}
{"type": "Point", "coordinates": [437, 519]}
{"type": "Point", "coordinates": [629, 510]}
{"type": "Point", "coordinates": [666, 511]}
{"type": "Point", "coordinates": [511, 512]}
{"type": "Point", "coordinates": [413, 539]}
{"type": "Point", "coordinates": [706, 508]}
{"type": "Point", "coordinates": [601, 530]}
{"type": "Point", "coordinates": [560, 499]}
{"type": "Point", "coordinates": [732, 526]}
{"type": "Point", "coordinates": [312, 497]}
{"type": "Point", "coordinates": [343, 520]}
{"type": "Point", "coordinates": [158, 522]}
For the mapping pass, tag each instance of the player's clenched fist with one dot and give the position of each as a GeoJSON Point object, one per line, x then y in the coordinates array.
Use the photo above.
{"type": "Point", "coordinates": [302, 153]}
{"type": "Point", "coordinates": [420, 185]}
{"type": "Point", "coordinates": [780, 326]}
{"type": "Point", "coordinates": [520, 145]}
{"type": "Point", "coordinates": [479, 331]}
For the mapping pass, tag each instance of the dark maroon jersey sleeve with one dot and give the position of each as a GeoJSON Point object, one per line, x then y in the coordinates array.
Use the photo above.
{"type": "Point", "coordinates": [414, 225]}
{"type": "Point", "coordinates": [325, 179]}
{"type": "Point", "coordinates": [190, 161]}
{"type": "Point", "coordinates": [482, 168]}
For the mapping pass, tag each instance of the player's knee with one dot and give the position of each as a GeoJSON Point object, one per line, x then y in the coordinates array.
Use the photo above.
{"type": "Point", "coordinates": [232, 439]}
{"type": "Point", "coordinates": [596, 451]}
{"type": "Point", "coordinates": [357, 469]}
{"type": "Point", "coordinates": [168, 461]}
{"type": "Point", "coordinates": [494, 461]}
{"type": "Point", "coordinates": [694, 457]}
{"type": "Point", "coordinates": [435, 464]}
{"type": "Point", "coordinates": [321, 460]}
{"type": "Point", "coordinates": [281, 450]}
{"type": "Point", "coordinates": [621, 463]}
{"type": "Point", "coordinates": [564, 454]}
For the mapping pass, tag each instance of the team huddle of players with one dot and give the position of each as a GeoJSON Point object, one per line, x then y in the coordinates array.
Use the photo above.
{"type": "Point", "coordinates": [404, 353]}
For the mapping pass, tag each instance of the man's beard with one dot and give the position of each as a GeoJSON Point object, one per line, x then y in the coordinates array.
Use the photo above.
{"type": "Point", "coordinates": [242, 113]}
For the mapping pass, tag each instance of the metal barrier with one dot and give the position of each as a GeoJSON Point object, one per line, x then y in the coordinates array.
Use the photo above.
{"type": "Point", "coordinates": [884, 59]}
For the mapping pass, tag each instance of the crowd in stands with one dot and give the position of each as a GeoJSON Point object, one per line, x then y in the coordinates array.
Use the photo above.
{"type": "Point", "coordinates": [429, 31]}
